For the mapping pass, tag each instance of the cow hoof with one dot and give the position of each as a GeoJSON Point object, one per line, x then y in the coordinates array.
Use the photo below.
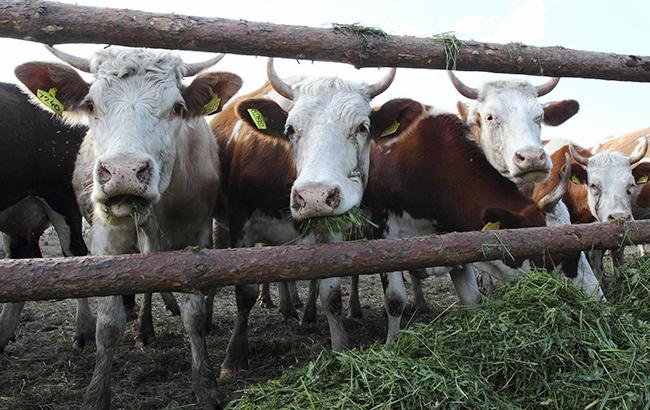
{"type": "Point", "coordinates": [267, 304]}
{"type": "Point", "coordinates": [421, 308]}
{"type": "Point", "coordinates": [355, 314]}
{"type": "Point", "coordinates": [84, 339]}
{"type": "Point", "coordinates": [290, 314]}
{"type": "Point", "coordinates": [141, 341]}
{"type": "Point", "coordinates": [226, 374]}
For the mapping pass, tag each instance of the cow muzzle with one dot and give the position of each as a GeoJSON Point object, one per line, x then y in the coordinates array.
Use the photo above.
{"type": "Point", "coordinates": [314, 200]}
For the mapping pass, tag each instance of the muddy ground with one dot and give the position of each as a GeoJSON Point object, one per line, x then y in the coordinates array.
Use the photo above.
{"type": "Point", "coordinates": [42, 370]}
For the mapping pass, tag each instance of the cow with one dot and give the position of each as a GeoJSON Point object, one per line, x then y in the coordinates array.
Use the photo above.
{"type": "Point", "coordinates": [290, 151]}
{"type": "Point", "coordinates": [429, 177]}
{"type": "Point", "coordinates": [37, 153]}
{"type": "Point", "coordinates": [148, 167]}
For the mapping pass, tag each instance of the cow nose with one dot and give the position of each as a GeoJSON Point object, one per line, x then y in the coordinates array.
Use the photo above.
{"type": "Point", "coordinates": [530, 159]}
{"type": "Point", "coordinates": [124, 176]}
{"type": "Point", "coordinates": [314, 200]}
{"type": "Point", "coordinates": [619, 217]}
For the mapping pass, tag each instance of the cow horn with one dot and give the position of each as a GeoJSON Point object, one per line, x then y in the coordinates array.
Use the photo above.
{"type": "Point", "coordinates": [547, 87]}
{"type": "Point", "coordinates": [382, 85]}
{"type": "Point", "coordinates": [79, 63]}
{"type": "Point", "coordinates": [548, 201]}
{"type": "Point", "coordinates": [195, 68]}
{"type": "Point", "coordinates": [579, 158]}
{"type": "Point", "coordinates": [278, 85]}
{"type": "Point", "coordinates": [639, 151]}
{"type": "Point", "coordinates": [469, 92]}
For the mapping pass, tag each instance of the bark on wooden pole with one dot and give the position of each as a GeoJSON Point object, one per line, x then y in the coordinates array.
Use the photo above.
{"type": "Point", "coordinates": [56, 23]}
{"type": "Point", "coordinates": [35, 279]}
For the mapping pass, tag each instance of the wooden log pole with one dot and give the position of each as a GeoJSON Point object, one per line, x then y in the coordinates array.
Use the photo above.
{"type": "Point", "coordinates": [56, 23]}
{"type": "Point", "coordinates": [56, 278]}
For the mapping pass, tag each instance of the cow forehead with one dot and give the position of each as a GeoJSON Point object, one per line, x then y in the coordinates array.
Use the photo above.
{"type": "Point", "coordinates": [118, 63]}
{"type": "Point", "coordinates": [608, 160]}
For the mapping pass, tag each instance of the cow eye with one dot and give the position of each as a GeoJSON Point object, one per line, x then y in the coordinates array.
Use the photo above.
{"type": "Point", "coordinates": [179, 109]}
{"type": "Point", "coordinates": [289, 131]}
{"type": "Point", "coordinates": [90, 106]}
{"type": "Point", "coordinates": [594, 188]}
{"type": "Point", "coordinates": [539, 119]}
{"type": "Point", "coordinates": [489, 117]}
{"type": "Point", "coordinates": [362, 129]}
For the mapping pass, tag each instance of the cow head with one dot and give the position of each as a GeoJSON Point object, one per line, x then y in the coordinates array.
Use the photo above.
{"type": "Point", "coordinates": [327, 121]}
{"type": "Point", "coordinates": [506, 121]}
{"type": "Point", "coordinates": [612, 184]}
{"type": "Point", "coordinates": [138, 112]}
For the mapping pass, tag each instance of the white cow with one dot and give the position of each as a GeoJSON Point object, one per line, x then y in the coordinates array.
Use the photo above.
{"type": "Point", "coordinates": [149, 152]}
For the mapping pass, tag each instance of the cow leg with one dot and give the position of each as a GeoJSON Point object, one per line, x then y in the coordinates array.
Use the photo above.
{"type": "Point", "coordinates": [9, 319]}
{"type": "Point", "coordinates": [354, 306]}
{"type": "Point", "coordinates": [129, 307]}
{"type": "Point", "coordinates": [84, 324]}
{"type": "Point", "coordinates": [111, 320]}
{"type": "Point", "coordinates": [394, 302]}
{"type": "Point", "coordinates": [209, 310]}
{"type": "Point", "coordinates": [170, 303]}
{"type": "Point", "coordinates": [309, 314]}
{"type": "Point", "coordinates": [464, 279]}
{"type": "Point", "coordinates": [585, 279]}
{"type": "Point", "coordinates": [204, 381]}
{"type": "Point", "coordinates": [618, 256]}
{"type": "Point", "coordinates": [330, 299]}
{"type": "Point", "coordinates": [266, 300]}
{"type": "Point", "coordinates": [596, 262]}
{"type": "Point", "coordinates": [420, 304]}
{"type": "Point", "coordinates": [286, 305]}
{"type": "Point", "coordinates": [237, 351]}
{"type": "Point", "coordinates": [295, 296]}
{"type": "Point", "coordinates": [145, 331]}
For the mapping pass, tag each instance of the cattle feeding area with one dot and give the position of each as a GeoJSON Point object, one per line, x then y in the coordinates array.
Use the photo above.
{"type": "Point", "coordinates": [292, 165]}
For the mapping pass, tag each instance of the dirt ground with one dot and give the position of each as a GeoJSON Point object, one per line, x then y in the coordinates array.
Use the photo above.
{"type": "Point", "coordinates": [42, 370]}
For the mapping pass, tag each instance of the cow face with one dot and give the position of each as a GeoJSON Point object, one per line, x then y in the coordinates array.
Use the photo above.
{"type": "Point", "coordinates": [327, 122]}
{"type": "Point", "coordinates": [612, 184]}
{"type": "Point", "coordinates": [138, 113]}
{"type": "Point", "coordinates": [506, 121]}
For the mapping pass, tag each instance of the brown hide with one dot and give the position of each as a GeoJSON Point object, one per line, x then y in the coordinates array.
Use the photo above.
{"type": "Point", "coordinates": [575, 197]}
{"type": "Point", "coordinates": [257, 170]}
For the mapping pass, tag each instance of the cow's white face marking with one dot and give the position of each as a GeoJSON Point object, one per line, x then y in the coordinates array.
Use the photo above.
{"type": "Point", "coordinates": [328, 127]}
{"type": "Point", "coordinates": [135, 117]}
{"type": "Point", "coordinates": [611, 187]}
{"type": "Point", "coordinates": [510, 119]}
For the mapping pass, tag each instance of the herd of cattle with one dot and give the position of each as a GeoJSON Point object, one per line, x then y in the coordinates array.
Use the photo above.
{"type": "Point", "coordinates": [149, 174]}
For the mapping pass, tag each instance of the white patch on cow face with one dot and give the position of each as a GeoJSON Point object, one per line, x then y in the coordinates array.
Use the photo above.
{"type": "Point", "coordinates": [133, 123]}
{"type": "Point", "coordinates": [511, 119]}
{"type": "Point", "coordinates": [328, 127]}
{"type": "Point", "coordinates": [611, 188]}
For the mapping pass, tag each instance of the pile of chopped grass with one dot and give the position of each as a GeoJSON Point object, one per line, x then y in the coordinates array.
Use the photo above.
{"type": "Point", "coordinates": [349, 226]}
{"type": "Point", "coordinates": [537, 343]}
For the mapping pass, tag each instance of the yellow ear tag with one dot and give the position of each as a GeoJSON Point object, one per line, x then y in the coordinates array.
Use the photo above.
{"type": "Point", "coordinates": [212, 106]}
{"type": "Point", "coordinates": [575, 179]}
{"type": "Point", "coordinates": [642, 179]}
{"type": "Point", "coordinates": [491, 226]}
{"type": "Point", "coordinates": [257, 118]}
{"type": "Point", "coordinates": [48, 98]}
{"type": "Point", "coordinates": [390, 130]}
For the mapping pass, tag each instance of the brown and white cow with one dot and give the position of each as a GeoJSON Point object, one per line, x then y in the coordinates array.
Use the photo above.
{"type": "Point", "coordinates": [292, 151]}
{"type": "Point", "coordinates": [148, 151]}
{"type": "Point", "coordinates": [429, 177]}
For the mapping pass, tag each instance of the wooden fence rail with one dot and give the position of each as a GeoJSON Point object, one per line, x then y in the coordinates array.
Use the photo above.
{"type": "Point", "coordinates": [56, 278]}
{"type": "Point", "coordinates": [56, 23]}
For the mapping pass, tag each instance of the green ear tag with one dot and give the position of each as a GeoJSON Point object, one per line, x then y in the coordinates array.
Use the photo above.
{"type": "Point", "coordinates": [575, 179]}
{"type": "Point", "coordinates": [391, 129]}
{"type": "Point", "coordinates": [491, 226]}
{"type": "Point", "coordinates": [257, 118]}
{"type": "Point", "coordinates": [48, 98]}
{"type": "Point", "coordinates": [642, 179]}
{"type": "Point", "coordinates": [212, 106]}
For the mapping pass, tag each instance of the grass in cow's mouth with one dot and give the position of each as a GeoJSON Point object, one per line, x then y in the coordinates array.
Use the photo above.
{"type": "Point", "coordinates": [350, 225]}
{"type": "Point", "coordinates": [358, 30]}
{"type": "Point", "coordinates": [452, 46]}
{"type": "Point", "coordinates": [537, 343]}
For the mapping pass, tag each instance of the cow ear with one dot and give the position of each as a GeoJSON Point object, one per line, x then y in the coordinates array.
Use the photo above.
{"type": "Point", "coordinates": [498, 218]}
{"type": "Point", "coordinates": [395, 116]}
{"type": "Point", "coordinates": [55, 86]}
{"type": "Point", "coordinates": [557, 112]}
{"type": "Point", "coordinates": [209, 92]}
{"type": "Point", "coordinates": [578, 174]}
{"type": "Point", "coordinates": [264, 115]}
{"type": "Point", "coordinates": [641, 173]}
{"type": "Point", "coordinates": [463, 111]}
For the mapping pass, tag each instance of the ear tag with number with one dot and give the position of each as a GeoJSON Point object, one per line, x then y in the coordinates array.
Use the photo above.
{"type": "Point", "coordinates": [212, 106]}
{"type": "Point", "coordinates": [257, 118]}
{"type": "Point", "coordinates": [391, 129]}
{"type": "Point", "coordinates": [48, 98]}
{"type": "Point", "coordinates": [642, 179]}
{"type": "Point", "coordinates": [491, 226]}
{"type": "Point", "coordinates": [575, 180]}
